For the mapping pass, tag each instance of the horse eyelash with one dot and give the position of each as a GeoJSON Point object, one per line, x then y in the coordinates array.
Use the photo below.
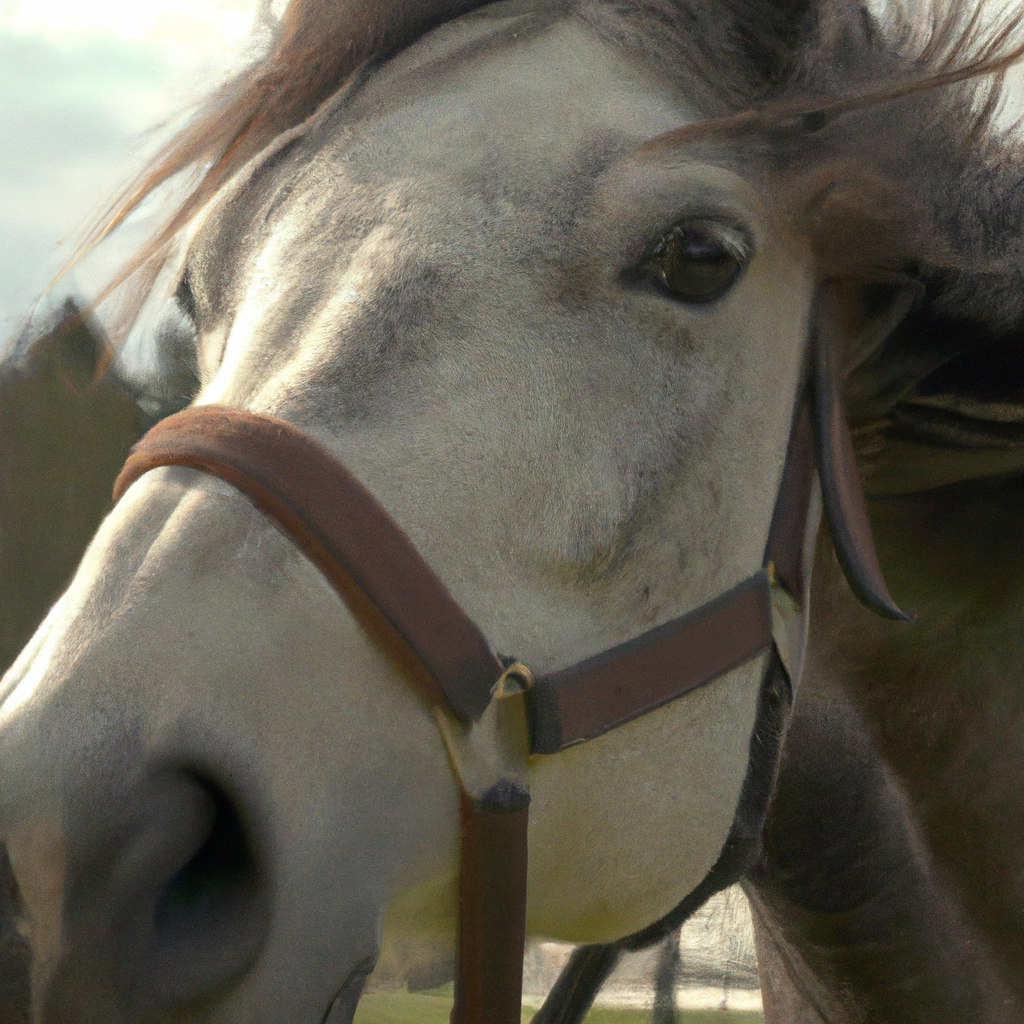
{"type": "Point", "coordinates": [735, 240]}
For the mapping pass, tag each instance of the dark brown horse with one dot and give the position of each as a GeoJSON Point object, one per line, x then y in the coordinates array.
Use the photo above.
{"type": "Point", "coordinates": [889, 884]}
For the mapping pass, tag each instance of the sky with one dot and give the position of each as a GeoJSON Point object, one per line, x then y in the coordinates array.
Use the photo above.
{"type": "Point", "coordinates": [82, 85]}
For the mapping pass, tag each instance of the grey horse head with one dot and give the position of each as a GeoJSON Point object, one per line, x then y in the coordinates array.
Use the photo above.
{"type": "Point", "coordinates": [557, 325]}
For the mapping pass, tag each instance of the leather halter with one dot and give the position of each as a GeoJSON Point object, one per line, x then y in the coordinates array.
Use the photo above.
{"type": "Point", "coordinates": [378, 572]}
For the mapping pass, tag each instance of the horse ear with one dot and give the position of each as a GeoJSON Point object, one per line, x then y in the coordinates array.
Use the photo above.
{"type": "Point", "coordinates": [64, 434]}
{"type": "Point", "coordinates": [850, 321]}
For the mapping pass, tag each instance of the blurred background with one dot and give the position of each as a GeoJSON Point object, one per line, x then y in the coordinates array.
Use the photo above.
{"type": "Point", "coordinates": [87, 92]}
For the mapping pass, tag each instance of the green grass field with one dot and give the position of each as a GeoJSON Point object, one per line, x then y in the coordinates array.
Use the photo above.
{"type": "Point", "coordinates": [404, 1008]}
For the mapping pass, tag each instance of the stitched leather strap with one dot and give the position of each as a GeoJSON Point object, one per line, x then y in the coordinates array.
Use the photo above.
{"type": "Point", "coordinates": [345, 532]}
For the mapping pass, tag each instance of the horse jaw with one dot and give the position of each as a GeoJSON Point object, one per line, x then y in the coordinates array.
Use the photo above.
{"type": "Point", "coordinates": [577, 457]}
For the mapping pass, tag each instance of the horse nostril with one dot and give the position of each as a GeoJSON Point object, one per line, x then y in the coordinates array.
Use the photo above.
{"type": "Point", "coordinates": [219, 878]}
{"type": "Point", "coordinates": [208, 920]}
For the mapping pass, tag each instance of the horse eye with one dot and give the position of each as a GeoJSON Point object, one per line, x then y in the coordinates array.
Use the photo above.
{"type": "Point", "coordinates": [698, 262]}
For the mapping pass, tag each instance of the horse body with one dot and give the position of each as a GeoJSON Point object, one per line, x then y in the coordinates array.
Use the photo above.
{"type": "Point", "coordinates": [891, 873]}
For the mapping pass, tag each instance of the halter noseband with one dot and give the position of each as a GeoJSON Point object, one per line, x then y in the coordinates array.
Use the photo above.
{"type": "Point", "coordinates": [378, 572]}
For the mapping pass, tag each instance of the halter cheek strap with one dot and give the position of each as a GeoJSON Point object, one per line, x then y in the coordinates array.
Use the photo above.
{"type": "Point", "coordinates": [841, 491]}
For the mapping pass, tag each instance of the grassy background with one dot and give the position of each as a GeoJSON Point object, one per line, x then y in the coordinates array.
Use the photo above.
{"type": "Point", "coordinates": [406, 1008]}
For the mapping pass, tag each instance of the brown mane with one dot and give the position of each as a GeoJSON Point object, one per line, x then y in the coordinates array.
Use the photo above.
{"type": "Point", "coordinates": [790, 95]}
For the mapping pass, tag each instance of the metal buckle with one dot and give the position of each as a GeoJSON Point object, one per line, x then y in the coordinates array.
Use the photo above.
{"type": "Point", "coordinates": [517, 678]}
{"type": "Point", "coordinates": [493, 750]}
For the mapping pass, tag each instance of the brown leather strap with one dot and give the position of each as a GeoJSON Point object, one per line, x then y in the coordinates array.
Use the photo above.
{"type": "Point", "coordinates": [671, 660]}
{"type": "Point", "coordinates": [788, 533]}
{"type": "Point", "coordinates": [376, 569]}
{"type": "Point", "coordinates": [344, 531]}
{"type": "Point", "coordinates": [841, 491]}
{"type": "Point", "coordinates": [492, 911]}
{"type": "Point", "coordinates": [664, 663]}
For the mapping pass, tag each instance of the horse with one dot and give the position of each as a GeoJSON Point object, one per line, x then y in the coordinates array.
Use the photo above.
{"type": "Point", "coordinates": [544, 278]}
{"type": "Point", "coordinates": [887, 888]}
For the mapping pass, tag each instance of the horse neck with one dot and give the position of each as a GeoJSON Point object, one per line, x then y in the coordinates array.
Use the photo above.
{"type": "Point", "coordinates": [937, 709]}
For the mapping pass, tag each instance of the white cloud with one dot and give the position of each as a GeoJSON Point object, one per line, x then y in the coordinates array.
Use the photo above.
{"type": "Point", "coordinates": [181, 24]}
{"type": "Point", "coordinates": [81, 85]}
